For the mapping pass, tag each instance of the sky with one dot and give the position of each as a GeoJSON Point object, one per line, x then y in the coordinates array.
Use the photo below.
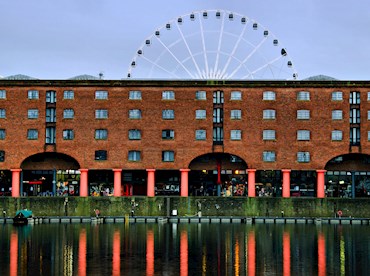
{"type": "Point", "coordinates": [60, 39]}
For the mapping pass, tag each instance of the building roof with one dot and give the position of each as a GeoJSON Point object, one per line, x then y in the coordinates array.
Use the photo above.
{"type": "Point", "coordinates": [84, 77]}
{"type": "Point", "coordinates": [19, 77]}
{"type": "Point", "coordinates": [320, 78]}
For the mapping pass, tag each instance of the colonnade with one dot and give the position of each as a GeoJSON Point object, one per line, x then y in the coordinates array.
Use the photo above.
{"type": "Point", "coordinates": [184, 184]}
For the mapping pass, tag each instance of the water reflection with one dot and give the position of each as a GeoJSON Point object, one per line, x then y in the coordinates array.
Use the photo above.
{"type": "Point", "coordinates": [184, 249]}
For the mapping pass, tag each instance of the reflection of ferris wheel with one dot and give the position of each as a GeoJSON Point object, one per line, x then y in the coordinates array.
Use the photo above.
{"type": "Point", "coordinates": [212, 44]}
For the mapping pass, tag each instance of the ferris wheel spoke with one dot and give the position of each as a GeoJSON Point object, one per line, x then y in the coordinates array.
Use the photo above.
{"type": "Point", "coordinates": [204, 48]}
{"type": "Point", "coordinates": [264, 66]}
{"type": "Point", "coordinates": [219, 44]}
{"type": "Point", "coordinates": [154, 64]}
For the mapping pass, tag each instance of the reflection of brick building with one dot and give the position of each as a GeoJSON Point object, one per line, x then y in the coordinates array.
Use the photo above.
{"type": "Point", "coordinates": [135, 135]}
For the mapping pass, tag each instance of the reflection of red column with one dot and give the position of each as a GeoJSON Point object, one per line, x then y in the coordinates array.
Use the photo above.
{"type": "Point", "coordinates": [83, 182]}
{"type": "Point", "coordinates": [321, 250]}
{"type": "Point", "coordinates": [116, 254]}
{"type": "Point", "coordinates": [286, 253]}
{"type": "Point", "coordinates": [15, 181]}
{"type": "Point", "coordinates": [286, 183]}
{"type": "Point", "coordinates": [184, 254]}
{"type": "Point", "coordinates": [82, 253]}
{"type": "Point", "coordinates": [218, 172]}
{"type": "Point", "coordinates": [13, 254]}
{"type": "Point", "coordinates": [251, 253]}
{"type": "Point", "coordinates": [320, 183]}
{"type": "Point", "coordinates": [149, 253]}
{"type": "Point", "coordinates": [251, 182]}
{"type": "Point", "coordinates": [184, 182]}
{"type": "Point", "coordinates": [117, 182]}
{"type": "Point", "coordinates": [151, 182]}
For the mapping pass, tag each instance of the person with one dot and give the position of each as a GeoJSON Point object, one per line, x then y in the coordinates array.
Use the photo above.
{"type": "Point", "coordinates": [97, 212]}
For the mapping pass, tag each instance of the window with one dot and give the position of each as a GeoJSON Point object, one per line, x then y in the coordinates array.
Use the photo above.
{"type": "Point", "coordinates": [101, 155]}
{"type": "Point", "coordinates": [269, 156]}
{"type": "Point", "coordinates": [269, 114]}
{"type": "Point", "coordinates": [168, 114]}
{"type": "Point", "coordinates": [134, 114]}
{"type": "Point", "coordinates": [2, 113]}
{"type": "Point", "coordinates": [33, 94]}
{"type": "Point", "coordinates": [68, 94]}
{"type": "Point", "coordinates": [168, 95]}
{"type": "Point", "coordinates": [50, 115]}
{"type": "Point", "coordinates": [200, 114]}
{"type": "Point", "coordinates": [368, 135]}
{"type": "Point", "coordinates": [51, 96]}
{"type": "Point", "coordinates": [303, 156]}
{"type": "Point", "coordinates": [2, 94]}
{"type": "Point", "coordinates": [337, 135]}
{"type": "Point", "coordinates": [236, 114]}
{"type": "Point", "coordinates": [101, 95]}
{"type": "Point", "coordinates": [200, 95]}
{"type": "Point", "coordinates": [134, 134]}
{"type": "Point", "coordinates": [218, 97]}
{"type": "Point", "coordinates": [134, 155]}
{"type": "Point", "coordinates": [303, 135]}
{"type": "Point", "coordinates": [32, 134]}
{"type": "Point", "coordinates": [269, 134]}
{"type": "Point", "coordinates": [218, 115]}
{"type": "Point", "coordinates": [101, 134]}
{"type": "Point", "coordinates": [50, 135]}
{"type": "Point", "coordinates": [68, 114]}
{"type": "Point", "coordinates": [68, 134]}
{"type": "Point", "coordinates": [200, 134]}
{"type": "Point", "coordinates": [337, 114]}
{"type": "Point", "coordinates": [101, 114]}
{"type": "Point", "coordinates": [269, 96]}
{"type": "Point", "coordinates": [303, 96]}
{"type": "Point", "coordinates": [2, 156]}
{"type": "Point", "coordinates": [337, 96]}
{"type": "Point", "coordinates": [135, 95]}
{"type": "Point", "coordinates": [368, 96]}
{"type": "Point", "coordinates": [33, 113]}
{"type": "Point", "coordinates": [2, 134]}
{"type": "Point", "coordinates": [303, 114]}
{"type": "Point", "coordinates": [236, 95]}
{"type": "Point", "coordinates": [218, 135]}
{"type": "Point", "coordinates": [354, 98]}
{"type": "Point", "coordinates": [168, 134]}
{"type": "Point", "coordinates": [368, 114]}
{"type": "Point", "coordinates": [354, 136]}
{"type": "Point", "coordinates": [355, 116]}
{"type": "Point", "coordinates": [236, 134]}
{"type": "Point", "coordinates": [168, 156]}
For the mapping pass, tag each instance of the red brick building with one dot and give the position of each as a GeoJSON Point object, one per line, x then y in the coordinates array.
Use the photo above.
{"type": "Point", "coordinates": [256, 138]}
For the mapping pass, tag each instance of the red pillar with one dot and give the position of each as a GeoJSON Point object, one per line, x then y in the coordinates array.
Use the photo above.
{"type": "Point", "coordinates": [320, 183]}
{"type": "Point", "coordinates": [16, 176]}
{"type": "Point", "coordinates": [151, 182]}
{"type": "Point", "coordinates": [251, 182]}
{"type": "Point", "coordinates": [286, 183]}
{"type": "Point", "coordinates": [184, 190]}
{"type": "Point", "coordinates": [83, 182]}
{"type": "Point", "coordinates": [117, 182]}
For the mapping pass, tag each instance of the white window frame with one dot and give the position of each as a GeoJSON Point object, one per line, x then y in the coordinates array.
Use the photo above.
{"type": "Point", "coordinates": [303, 114]}
{"type": "Point", "coordinates": [134, 155]}
{"type": "Point", "coordinates": [168, 134]}
{"type": "Point", "coordinates": [200, 134]}
{"type": "Point", "coordinates": [337, 114]}
{"type": "Point", "coordinates": [2, 94]}
{"type": "Point", "coordinates": [68, 94]}
{"type": "Point", "coordinates": [200, 114]}
{"type": "Point", "coordinates": [368, 115]}
{"type": "Point", "coordinates": [68, 134]}
{"type": "Point", "coordinates": [101, 95]}
{"type": "Point", "coordinates": [101, 114]}
{"type": "Point", "coordinates": [236, 114]}
{"type": "Point", "coordinates": [235, 134]}
{"type": "Point", "coordinates": [269, 96]}
{"type": "Point", "coordinates": [269, 114]}
{"type": "Point", "coordinates": [236, 95]}
{"type": "Point", "coordinates": [33, 113]}
{"type": "Point", "coordinates": [303, 135]}
{"type": "Point", "coordinates": [200, 95]}
{"type": "Point", "coordinates": [337, 135]}
{"type": "Point", "coordinates": [269, 134]}
{"type": "Point", "coordinates": [368, 135]}
{"type": "Point", "coordinates": [269, 156]}
{"type": "Point", "coordinates": [368, 96]}
{"type": "Point", "coordinates": [68, 113]}
{"type": "Point", "coordinates": [303, 157]}
{"type": "Point", "coordinates": [337, 96]}
{"type": "Point", "coordinates": [303, 96]}
{"type": "Point", "coordinates": [2, 113]}
{"type": "Point", "coordinates": [2, 133]}
{"type": "Point", "coordinates": [168, 156]}
{"type": "Point", "coordinates": [134, 114]}
{"type": "Point", "coordinates": [168, 95]}
{"type": "Point", "coordinates": [168, 114]}
{"type": "Point", "coordinates": [51, 96]}
{"type": "Point", "coordinates": [101, 134]}
{"type": "Point", "coordinates": [135, 95]}
{"type": "Point", "coordinates": [32, 134]}
{"type": "Point", "coordinates": [33, 94]}
{"type": "Point", "coordinates": [134, 134]}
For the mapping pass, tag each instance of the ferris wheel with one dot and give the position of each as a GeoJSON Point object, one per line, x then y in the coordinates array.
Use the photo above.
{"type": "Point", "coordinates": [212, 44]}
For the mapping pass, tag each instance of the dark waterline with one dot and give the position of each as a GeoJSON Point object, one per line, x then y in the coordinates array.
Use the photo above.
{"type": "Point", "coordinates": [184, 249]}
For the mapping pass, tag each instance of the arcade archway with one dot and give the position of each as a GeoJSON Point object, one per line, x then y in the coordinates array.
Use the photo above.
{"type": "Point", "coordinates": [348, 175]}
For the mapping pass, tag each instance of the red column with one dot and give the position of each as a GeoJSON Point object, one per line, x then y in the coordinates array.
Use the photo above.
{"type": "Point", "coordinates": [286, 183]}
{"type": "Point", "coordinates": [151, 182]}
{"type": "Point", "coordinates": [117, 182]}
{"type": "Point", "coordinates": [83, 182]}
{"type": "Point", "coordinates": [16, 173]}
{"type": "Point", "coordinates": [184, 190]}
{"type": "Point", "coordinates": [251, 182]}
{"type": "Point", "coordinates": [320, 183]}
